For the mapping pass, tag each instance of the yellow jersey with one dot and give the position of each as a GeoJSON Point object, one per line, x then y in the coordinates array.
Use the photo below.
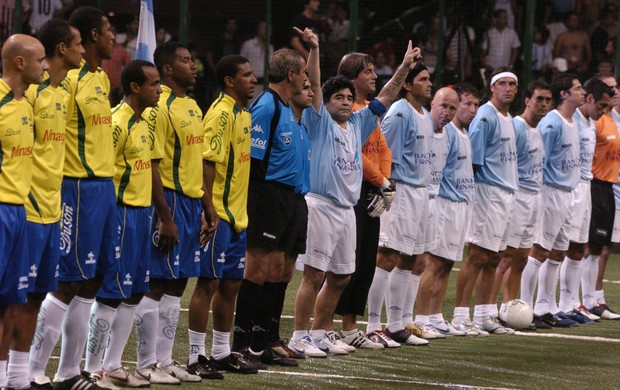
{"type": "Point", "coordinates": [132, 179]}
{"type": "Point", "coordinates": [16, 139]}
{"type": "Point", "coordinates": [176, 126]}
{"type": "Point", "coordinates": [89, 148]}
{"type": "Point", "coordinates": [50, 118]}
{"type": "Point", "coordinates": [227, 128]}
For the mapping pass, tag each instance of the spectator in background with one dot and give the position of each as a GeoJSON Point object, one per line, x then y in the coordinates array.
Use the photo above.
{"type": "Point", "coordinates": [459, 47]}
{"type": "Point", "coordinates": [338, 24]}
{"type": "Point", "coordinates": [228, 43]}
{"type": "Point", "coordinates": [542, 54]}
{"type": "Point", "coordinates": [556, 27]}
{"type": "Point", "coordinates": [574, 45]}
{"type": "Point", "coordinates": [7, 8]}
{"type": "Point", "coordinates": [508, 6]}
{"type": "Point", "coordinates": [43, 11]}
{"type": "Point", "coordinates": [254, 50]}
{"type": "Point", "coordinates": [427, 41]}
{"type": "Point", "coordinates": [162, 36]}
{"type": "Point", "coordinates": [307, 19]}
{"type": "Point", "coordinates": [606, 28]}
{"type": "Point", "coordinates": [501, 45]}
{"type": "Point", "coordinates": [129, 39]}
{"type": "Point", "coordinates": [113, 68]}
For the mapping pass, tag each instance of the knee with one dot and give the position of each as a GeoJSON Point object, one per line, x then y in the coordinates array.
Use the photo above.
{"type": "Point", "coordinates": [313, 278]}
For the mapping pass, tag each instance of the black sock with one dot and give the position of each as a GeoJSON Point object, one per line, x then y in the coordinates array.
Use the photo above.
{"type": "Point", "coordinates": [262, 319]}
{"type": "Point", "coordinates": [278, 305]}
{"type": "Point", "coordinates": [249, 294]}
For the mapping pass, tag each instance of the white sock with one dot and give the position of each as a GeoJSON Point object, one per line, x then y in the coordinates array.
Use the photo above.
{"type": "Point", "coordinates": [221, 344]}
{"type": "Point", "coordinates": [480, 313]}
{"type": "Point", "coordinates": [437, 318]}
{"type": "Point", "coordinates": [491, 310]}
{"type": "Point", "coordinates": [196, 345]}
{"type": "Point", "coordinates": [3, 379]}
{"type": "Point", "coordinates": [169, 309]}
{"type": "Point", "coordinates": [46, 335]}
{"type": "Point", "coordinates": [599, 295]}
{"type": "Point", "coordinates": [376, 296]}
{"type": "Point", "coordinates": [101, 319]}
{"type": "Point", "coordinates": [461, 314]}
{"type": "Point", "coordinates": [147, 321]}
{"type": "Point", "coordinates": [553, 302]}
{"type": "Point", "coordinates": [74, 337]}
{"type": "Point", "coordinates": [17, 370]}
{"type": "Point", "coordinates": [569, 284]}
{"type": "Point", "coordinates": [317, 335]}
{"type": "Point", "coordinates": [121, 329]}
{"type": "Point", "coordinates": [421, 320]}
{"type": "Point", "coordinates": [589, 272]}
{"type": "Point", "coordinates": [529, 277]}
{"type": "Point", "coordinates": [398, 287]}
{"type": "Point", "coordinates": [412, 293]}
{"type": "Point", "coordinates": [297, 334]}
{"type": "Point", "coordinates": [547, 282]}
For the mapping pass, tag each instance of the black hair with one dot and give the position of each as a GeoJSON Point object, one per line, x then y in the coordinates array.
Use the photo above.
{"type": "Point", "coordinates": [86, 19]}
{"type": "Point", "coordinates": [134, 73]}
{"type": "Point", "coordinates": [228, 66]}
{"type": "Point", "coordinates": [463, 88]}
{"type": "Point", "coordinates": [597, 89]}
{"type": "Point", "coordinates": [533, 86]}
{"type": "Point", "coordinates": [562, 83]}
{"type": "Point", "coordinates": [166, 53]}
{"type": "Point", "coordinates": [53, 33]}
{"type": "Point", "coordinates": [335, 84]}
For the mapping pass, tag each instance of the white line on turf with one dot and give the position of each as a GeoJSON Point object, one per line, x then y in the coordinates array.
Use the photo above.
{"type": "Point", "coordinates": [569, 336]}
{"type": "Point", "coordinates": [611, 281]}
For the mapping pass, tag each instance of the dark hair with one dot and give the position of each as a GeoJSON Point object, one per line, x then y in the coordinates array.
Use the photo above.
{"type": "Point", "coordinates": [166, 53]}
{"type": "Point", "coordinates": [86, 19]}
{"type": "Point", "coordinates": [597, 89]}
{"type": "Point", "coordinates": [533, 86]}
{"type": "Point", "coordinates": [134, 73]}
{"type": "Point", "coordinates": [335, 84]}
{"type": "Point", "coordinates": [53, 33]}
{"type": "Point", "coordinates": [413, 73]}
{"type": "Point", "coordinates": [228, 66]}
{"type": "Point", "coordinates": [353, 63]}
{"type": "Point", "coordinates": [562, 83]}
{"type": "Point", "coordinates": [603, 75]}
{"type": "Point", "coordinates": [283, 60]}
{"type": "Point", "coordinates": [498, 12]}
{"type": "Point", "coordinates": [463, 88]}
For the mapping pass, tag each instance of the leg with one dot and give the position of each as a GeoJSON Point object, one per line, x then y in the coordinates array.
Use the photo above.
{"type": "Point", "coordinates": [198, 316]}
{"type": "Point", "coordinates": [327, 300]}
{"type": "Point", "coordinates": [311, 282]}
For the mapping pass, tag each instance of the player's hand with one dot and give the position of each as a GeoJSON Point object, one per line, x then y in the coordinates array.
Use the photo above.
{"type": "Point", "coordinates": [413, 55]}
{"type": "Point", "coordinates": [210, 221]}
{"type": "Point", "coordinates": [376, 203]}
{"type": "Point", "coordinates": [168, 235]}
{"type": "Point", "coordinates": [308, 36]}
{"type": "Point", "coordinates": [388, 196]}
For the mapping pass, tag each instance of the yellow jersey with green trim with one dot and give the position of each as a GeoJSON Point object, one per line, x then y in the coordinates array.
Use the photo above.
{"type": "Point", "coordinates": [133, 178]}
{"type": "Point", "coordinates": [16, 139]}
{"type": "Point", "coordinates": [50, 118]}
{"type": "Point", "coordinates": [227, 128]}
{"type": "Point", "coordinates": [176, 125]}
{"type": "Point", "coordinates": [89, 148]}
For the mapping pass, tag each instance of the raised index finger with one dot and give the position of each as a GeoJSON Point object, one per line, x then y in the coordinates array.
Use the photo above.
{"type": "Point", "coordinates": [298, 31]}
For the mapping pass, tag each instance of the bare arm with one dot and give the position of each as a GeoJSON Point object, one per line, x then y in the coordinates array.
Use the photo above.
{"type": "Point", "coordinates": [168, 234]}
{"type": "Point", "coordinates": [297, 45]}
{"type": "Point", "coordinates": [314, 65]}
{"type": "Point", "coordinates": [211, 217]}
{"type": "Point", "coordinates": [390, 91]}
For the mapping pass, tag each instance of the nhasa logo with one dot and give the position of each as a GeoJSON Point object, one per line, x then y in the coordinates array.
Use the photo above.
{"type": "Point", "coordinates": [20, 151]}
{"type": "Point", "coordinates": [141, 165]}
{"type": "Point", "coordinates": [102, 120]}
{"type": "Point", "coordinates": [194, 139]}
{"type": "Point", "coordinates": [51, 135]}
{"type": "Point", "coordinates": [244, 157]}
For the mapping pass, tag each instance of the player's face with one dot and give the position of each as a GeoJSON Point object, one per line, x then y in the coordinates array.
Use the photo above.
{"type": "Point", "coordinates": [298, 79]}
{"type": "Point", "coordinates": [504, 90]}
{"type": "Point", "coordinates": [601, 106]}
{"type": "Point", "coordinates": [34, 64]}
{"type": "Point", "coordinates": [365, 82]}
{"type": "Point", "coordinates": [422, 86]}
{"type": "Point", "coordinates": [443, 110]}
{"type": "Point", "coordinates": [183, 68]}
{"type": "Point", "coordinates": [468, 106]}
{"type": "Point", "coordinates": [74, 52]}
{"type": "Point", "coordinates": [244, 82]}
{"type": "Point", "coordinates": [576, 95]}
{"type": "Point", "coordinates": [105, 41]}
{"type": "Point", "coordinates": [340, 105]}
{"type": "Point", "coordinates": [304, 99]}
{"type": "Point", "coordinates": [540, 103]}
{"type": "Point", "coordinates": [151, 89]}
{"type": "Point", "coordinates": [614, 86]}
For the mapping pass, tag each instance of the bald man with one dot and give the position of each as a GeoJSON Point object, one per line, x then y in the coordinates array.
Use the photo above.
{"type": "Point", "coordinates": [23, 61]}
{"type": "Point", "coordinates": [443, 108]}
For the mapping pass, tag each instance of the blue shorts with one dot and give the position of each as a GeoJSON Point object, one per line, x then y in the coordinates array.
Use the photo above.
{"type": "Point", "coordinates": [87, 225]}
{"type": "Point", "coordinates": [182, 261]}
{"type": "Point", "coordinates": [13, 255]}
{"type": "Point", "coordinates": [127, 272]}
{"type": "Point", "coordinates": [224, 255]}
{"type": "Point", "coordinates": [43, 256]}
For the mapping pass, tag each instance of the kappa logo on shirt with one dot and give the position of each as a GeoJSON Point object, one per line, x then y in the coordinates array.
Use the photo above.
{"type": "Point", "coordinates": [257, 128]}
{"type": "Point", "coordinates": [399, 115]}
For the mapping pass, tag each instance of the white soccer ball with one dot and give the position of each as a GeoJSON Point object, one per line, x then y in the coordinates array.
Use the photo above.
{"type": "Point", "coordinates": [517, 314]}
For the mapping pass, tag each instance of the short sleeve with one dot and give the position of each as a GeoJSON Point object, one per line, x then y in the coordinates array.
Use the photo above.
{"type": "Point", "coordinates": [217, 127]}
{"type": "Point", "coordinates": [262, 114]}
{"type": "Point", "coordinates": [479, 132]}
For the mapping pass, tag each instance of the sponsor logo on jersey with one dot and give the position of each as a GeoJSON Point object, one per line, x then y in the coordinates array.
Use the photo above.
{"type": "Point", "coordinates": [24, 120]}
{"type": "Point", "coordinates": [21, 151]}
{"type": "Point", "coordinates": [141, 165]}
{"type": "Point", "coordinates": [98, 90]}
{"type": "Point", "coordinates": [222, 258]}
{"type": "Point", "coordinates": [244, 157]}
{"type": "Point", "coordinates": [23, 283]}
{"type": "Point", "coordinates": [241, 263]}
{"type": "Point", "coordinates": [91, 258]}
{"type": "Point", "coordinates": [51, 135]}
{"type": "Point", "coordinates": [128, 281]}
{"type": "Point", "coordinates": [65, 228]}
{"type": "Point", "coordinates": [258, 143]}
{"type": "Point", "coordinates": [194, 139]}
{"type": "Point", "coordinates": [99, 119]}
{"type": "Point", "coordinates": [33, 271]}
{"type": "Point", "coordinates": [9, 132]}
{"type": "Point", "coordinates": [257, 129]}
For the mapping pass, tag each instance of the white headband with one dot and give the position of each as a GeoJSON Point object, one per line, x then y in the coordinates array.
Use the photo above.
{"type": "Point", "coordinates": [504, 74]}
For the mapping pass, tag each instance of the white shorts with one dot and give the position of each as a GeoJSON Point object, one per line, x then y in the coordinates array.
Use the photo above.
{"type": "Point", "coordinates": [490, 217]}
{"type": "Point", "coordinates": [330, 245]}
{"type": "Point", "coordinates": [453, 219]}
{"type": "Point", "coordinates": [580, 213]}
{"type": "Point", "coordinates": [402, 227]}
{"type": "Point", "coordinates": [615, 236]}
{"type": "Point", "coordinates": [554, 218]}
{"type": "Point", "coordinates": [524, 222]}
{"type": "Point", "coordinates": [431, 231]}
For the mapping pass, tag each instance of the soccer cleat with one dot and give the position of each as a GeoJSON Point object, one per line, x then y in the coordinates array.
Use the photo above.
{"type": "Point", "coordinates": [306, 346]}
{"type": "Point", "coordinates": [607, 313]}
{"type": "Point", "coordinates": [379, 336]}
{"type": "Point", "coordinates": [538, 323]}
{"type": "Point", "coordinates": [335, 338]}
{"type": "Point", "coordinates": [430, 333]}
{"type": "Point", "coordinates": [360, 340]}
{"type": "Point", "coordinates": [281, 348]}
{"type": "Point", "coordinates": [327, 345]}
{"type": "Point", "coordinates": [203, 368]}
{"type": "Point", "coordinates": [555, 321]}
{"type": "Point", "coordinates": [415, 330]}
{"type": "Point", "coordinates": [41, 383]}
{"type": "Point", "coordinates": [156, 375]}
{"type": "Point", "coordinates": [578, 317]}
{"type": "Point", "coordinates": [492, 325]}
{"type": "Point", "coordinates": [235, 362]}
{"type": "Point", "coordinates": [468, 327]}
{"type": "Point", "coordinates": [122, 377]}
{"type": "Point", "coordinates": [270, 357]}
{"type": "Point", "coordinates": [561, 315]}
{"type": "Point", "coordinates": [582, 309]}
{"type": "Point", "coordinates": [180, 373]}
{"type": "Point", "coordinates": [401, 336]}
{"type": "Point", "coordinates": [447, 329]}
{"type": "Point", "coordinates": [78, 382]}
{"type": "Point", "coordinates": [102, 381]}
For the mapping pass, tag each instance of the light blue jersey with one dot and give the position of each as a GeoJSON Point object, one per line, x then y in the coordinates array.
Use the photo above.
{"type": "Point", "coordinates": [587, 143]}
{"type": "Point", "coordinates": [408, 134]}
{"type": "Point", "coordinates": [561, 139]}
{"type": "Point", "coordinates": [457, 182]}
{"type": "Point", "coordinates": [494, 149]}
{"type": "Point", "coordinates": [336, 153]}
{"type": "Point", "coordinates": [439, 154]}
{"type": "Point", "coordinates": [530, 155]}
